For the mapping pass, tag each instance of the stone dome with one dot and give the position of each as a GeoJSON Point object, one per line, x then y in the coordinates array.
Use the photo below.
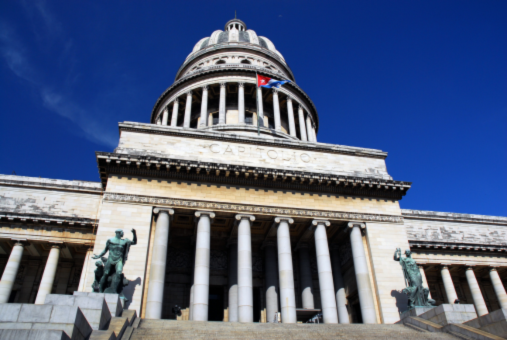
{"type": "Point", "coordinates": [235, 31]}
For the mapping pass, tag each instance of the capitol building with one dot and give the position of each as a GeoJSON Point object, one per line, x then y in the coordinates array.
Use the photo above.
{"type": "Point", "coordinates": [241, 214]}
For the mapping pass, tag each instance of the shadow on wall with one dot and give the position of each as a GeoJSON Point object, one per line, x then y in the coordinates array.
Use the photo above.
{"type": "Point", "coordinates": [401, 300]}
{"type": "Point", "coordinates": [129, 290]}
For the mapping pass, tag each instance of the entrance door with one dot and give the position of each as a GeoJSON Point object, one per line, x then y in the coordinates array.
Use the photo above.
{"type": "Point", "coordinates": [216, 303]}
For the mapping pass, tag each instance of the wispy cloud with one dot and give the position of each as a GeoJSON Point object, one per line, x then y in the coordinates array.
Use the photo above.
{"type": "Point", "coordinates": [53, 97]}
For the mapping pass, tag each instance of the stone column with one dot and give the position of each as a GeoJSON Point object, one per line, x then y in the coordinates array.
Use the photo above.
{"type": "Point", "coordinates": [314, 134]}
{"type": "Point", "coordinates": [46, 283]}
{"type": "Point", "coordinates": [159, 121]}
{"type": "Point", "coordinates": [339, 287]}
{"type": "Point", "coordinates": [221, 109]}
{"type": "Point", "coordinates": [10, 272]}
{"type": "Point", "coordinates": [425, 282]}
{"type": "Point", "coordinates": [201, 270]}
{"type": "Point", "coordinates": [497, 286]}
{"type": "Point", "coordinates": [450, 291]}
{"type": "Point", "coordinates": [309, 128]}
{"type": "Point", "coordinates": [165, 116]}
{"type": "Point", "coordinates": [188, 110]}
{"type": "Point", "coordinates": [362, 274]}
{"type": "Point", "coordinates": [276, 110]}
{"type": "Point", "coordinates": [84, 271]}
{"type": "Point", "coordinates": [305, 273]}
{"type": "Point", "coordinates": [174, 117]}
{"type": "Point", "coordinates": [271, 280]}
{"type": "Point", "coordinates": [480, 305]}
{"type": "Point", "coordinates": [260, 114]}
{"type": "Point", "coordinates": [241, 103]}
{"type": "Point", "coordinates": [290, 113]}
{"type": "Point", "coordinates": [155, 297]}
{"type": "Point", "coordinates": [285, 271]}
{"type": "Point", "coordinates": [233, 281]}
{"type": "Point", "coordinates": [302, 126]}
{"type": "Point", "coordinates": [245, 282]}
{"type": "Point", "coordinates": [327, 292]}
{"type": "Point", "coordinates": [204, 108]}
{"type": "Point", "coordinates": [191, 306]}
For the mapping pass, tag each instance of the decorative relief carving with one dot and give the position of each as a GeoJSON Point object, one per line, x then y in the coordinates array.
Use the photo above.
{"type": "Point", "coordinates": [458, 234]}
{"type": "Point", "coordinates": [218, 260]}
{"type": "Point", "coordinates": [214, 206]}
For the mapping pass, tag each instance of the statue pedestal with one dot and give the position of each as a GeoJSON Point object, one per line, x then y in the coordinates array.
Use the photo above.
{"type": "Point", "coordinates": [416, 311]}
{"type": "Point", "coordinates": [113, 301]}
{"type": "Point", "coordinates": [444, 314]}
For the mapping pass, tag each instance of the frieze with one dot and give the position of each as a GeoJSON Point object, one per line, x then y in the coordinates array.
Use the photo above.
{"type": "Point", "coordinates": [215, 206]}
{"type": "Point", "coordinates": [480, 235]}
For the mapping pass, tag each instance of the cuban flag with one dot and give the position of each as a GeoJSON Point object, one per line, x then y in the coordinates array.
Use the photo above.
{"type": "Point", "coordinates": [269, 82]}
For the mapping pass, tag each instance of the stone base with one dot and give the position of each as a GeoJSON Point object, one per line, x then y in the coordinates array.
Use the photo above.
{"type": "Point", "coordinates": [447, 314]}
{"type": "Point", "coordinates": [32, 334]}
{"type": "Point", "coordinates": [113, 301]}
{"type": "Point", "coordinates": [414, 312]}
{"type": "Point", "coordinates": [494, 323]}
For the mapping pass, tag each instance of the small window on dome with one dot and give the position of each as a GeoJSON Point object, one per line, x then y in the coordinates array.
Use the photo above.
{"type": "Point", "coordinates": [244, 61]}
{"type": "Point", "coordinates": [220, 62]}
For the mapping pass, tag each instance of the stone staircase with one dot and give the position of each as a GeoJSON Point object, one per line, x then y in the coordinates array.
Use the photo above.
{"type": "Point", "coordinates": [168, 329]}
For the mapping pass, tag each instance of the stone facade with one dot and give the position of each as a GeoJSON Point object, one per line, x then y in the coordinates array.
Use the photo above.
{"type": "Point", "coordinates": [265, 210]}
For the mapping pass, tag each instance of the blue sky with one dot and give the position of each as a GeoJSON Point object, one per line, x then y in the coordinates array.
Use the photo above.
{"type": "Point", "coordinates": [425, 81]}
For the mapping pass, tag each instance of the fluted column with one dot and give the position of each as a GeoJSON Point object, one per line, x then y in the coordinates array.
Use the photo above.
{"type": "Point", "coordinates": [241, 103]}
{"type": "Point", "coordinates": [480, 305]}
{"type": "Point", "coordinates": [302, 125]}
{"type": "Point", "coordinates": [201, 269]}
{"type": "Point", "coordinates": [327, 292]}
{"type": "Point", "coordinates": [425, 282]}
{"type": "Point", "coordinates": [364, 288]}
{"type": "Point", "coordinates": [174, 117]}
{"type": "Point", "coordinates": [305, 273]}
{"type": "Point", "coordinates": [10, 272]}
{"type": "Point", "coordinates": [155, 297]}
{"type": "Point", "coordinates": [271, 280]}
{"type": "Point", "coordinates": [188, 110]}
{"type": "Point", "coordinates": [498, 287]}
{"type": "Point", "coordinates": [245, 282]}
{"type": "Point", "coordinates": [204, 108]}
{"type": "Point", "coordinates": [285, 270]}
{"type": "Point", "coordinates": [276, 110]}
{"type": "Point", "coordinates": [46, 283]}
{"type": "Point", "coordinates": [339, 287]}
{"type": "Point", "coordinates": [233, 281]}
{"type": "Point", "coordinates": [221, 109]}
{"type": "Point", "coordinates": [165, 116]}
{"type": "Point", "coordinates": [260, 114]}
{"type": "Point", "coordinates": [290, 113]}
{"type": "Point", "coordinates": [450, 291]}
{"type": "Point", "coordinates": [84, 272]}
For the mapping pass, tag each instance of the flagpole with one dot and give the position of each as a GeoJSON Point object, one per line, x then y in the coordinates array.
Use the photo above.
{"type": "Point", "coordinates": [257, 102]}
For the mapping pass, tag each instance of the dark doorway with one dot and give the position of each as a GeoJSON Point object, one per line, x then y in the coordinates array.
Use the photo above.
{"type": "Point", "coordinates": [256, 305]}
{"type": "Point", "coordinates": [216, 303]}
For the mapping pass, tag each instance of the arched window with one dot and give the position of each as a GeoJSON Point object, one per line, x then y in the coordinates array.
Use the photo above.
{"type": "Point", "coordinates": [244, 61]}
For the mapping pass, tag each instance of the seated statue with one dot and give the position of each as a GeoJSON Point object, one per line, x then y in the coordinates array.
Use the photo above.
{"type": "Point", "coordinates": [109, 276]}
{"type": "Point", "coordinates": [417, 294]}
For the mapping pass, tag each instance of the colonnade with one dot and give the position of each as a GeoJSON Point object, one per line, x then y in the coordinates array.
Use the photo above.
{"type": "Point", "coordinates": [11, 271]}
{"type": "Point", "coordinates": [478, 299]}
{"type": "Point", "coordinates": [279, 273]}
{"type": "Point", "coordinates": [306, 123]}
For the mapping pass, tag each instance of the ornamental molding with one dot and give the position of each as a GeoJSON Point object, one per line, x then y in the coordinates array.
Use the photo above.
{"type": "Point", "coordinates": [48, 219]}
{"type": "Point", "coordinates": [416, 245]}
{"type": "Point", "coordinates": [452, 217]}
{"type": "Point", "coordinates": [250, 209]}
{"type": "Point", "coordinates": [62, 185]}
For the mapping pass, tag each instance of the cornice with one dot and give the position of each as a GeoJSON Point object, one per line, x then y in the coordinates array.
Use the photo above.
{"type": "Point", "coordinates": [158, 167]}
{"type": "Point", "coordinates": [414, 244]}
{"type": "Point", "coordinates": [452, 217]}
{"type": "Point", "coordinates": [63, 185]}
{"type": "Point", "coordinates": [6, 216]}
{"type": "Point", "coordinates": [254, 140]}
{"type": "Point", "coordinates": [237, 68]}
{"type": "Point", "coordinates": [250, 209]}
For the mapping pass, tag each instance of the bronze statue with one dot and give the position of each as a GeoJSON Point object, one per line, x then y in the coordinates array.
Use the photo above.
{"type": "Point", "coordinates": [109, 273]}
{"type": "Point", "coordinates": [417, 294]}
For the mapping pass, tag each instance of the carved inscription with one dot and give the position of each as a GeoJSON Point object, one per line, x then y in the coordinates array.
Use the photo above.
{"type": "Point", "coordinates": [457, 234]}
{"type": "Point", "coordinates": [258, 152]}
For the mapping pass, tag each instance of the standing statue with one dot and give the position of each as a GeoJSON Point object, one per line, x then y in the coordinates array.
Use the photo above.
{"type": "Point", "coordinates": [417, 294]}
{"type": "Point", "coordinates": [109, 273]}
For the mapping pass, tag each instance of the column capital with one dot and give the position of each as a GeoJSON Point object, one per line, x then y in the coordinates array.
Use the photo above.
{"type": "Point", "coordinates": [300, 107]}
{"type": "Point", "coordinates": [57, 245]}
{"type": "Point", "coordinates": [205, 87]}
{"type": "Point", "coordinates": [287, 219]}
{"type": "Point", "coordinates": [493, 269]}
{"type": "Point", "coordinates": [241, 84]}
{"type": "Point", "coordinates": [290, 98]}
{"type": "Point", "coordinates": [158, 210]}
{"type": "Point", "coordinates": [356, 224]}
{"type": "Point", "coordinates": [241, 216]}
{"type": "Point", "coordinates": [211, 214]}
{"type": "Point", "coordinates": [326, 223]}
{"type": "Point", "coordinates": [223, 84]}
{"type": "Point", "coordinates": [444, 266]}
{"type": "Point", "coordinates": [177, 100]}
{"type": "Point", "coordinates": [23, 242]}
{"type": "Point", "coordinates": [275, 90]}
{"type": "Point", "coordinates": [420, 266]}
{"type": "Point", "coordinates": [189, 93]}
